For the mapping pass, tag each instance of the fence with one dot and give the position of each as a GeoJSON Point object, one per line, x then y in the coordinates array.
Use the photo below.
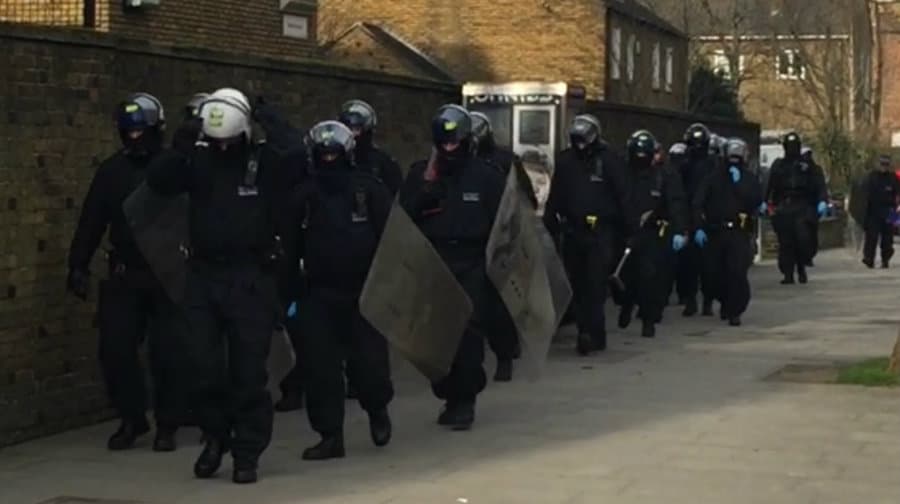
{"type": "Point", "coordinates": [83, 13]}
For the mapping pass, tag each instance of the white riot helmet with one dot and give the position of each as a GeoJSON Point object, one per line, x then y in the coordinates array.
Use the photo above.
{"type": "Point", "coordinates": [226, 115]}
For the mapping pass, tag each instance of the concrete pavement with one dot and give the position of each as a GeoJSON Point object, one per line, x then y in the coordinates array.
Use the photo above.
{"type": "Point", "coordinates": [685, 418]}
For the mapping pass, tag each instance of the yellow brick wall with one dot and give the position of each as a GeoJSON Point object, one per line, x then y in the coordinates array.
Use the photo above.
{"type": "Point", "coordinates": [499, 40]}
{"type": "Point", "coordinates": [360, 50]}
{"type": "Point", "coordinates": [52, 12]}
{"type": "Point", "coordinates": [237, 26]}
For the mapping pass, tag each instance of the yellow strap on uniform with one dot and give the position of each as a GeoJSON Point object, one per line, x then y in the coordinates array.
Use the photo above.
{"type": "Point", "coordinates": [743, 218]}
{"type": "Point", "coordinates": [591, 220]}
{"type": "Point", "coordinates": [663, 225]}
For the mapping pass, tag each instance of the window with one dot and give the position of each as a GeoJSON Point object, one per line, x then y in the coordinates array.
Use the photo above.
{"type": "Point", "coordinates": [657, 67]}
{"type": "Point", "coordinates": [670, 68]}
{"type": "Point", "coordinates": [615, 64]}
{"type": "Point", "coordinates": [789, 65]}
{"type": "Point", "coordinates": [534, 127]}
{"type": "Point", "coordinates": [721, 64]}
{"type": "Point", "coordinates": [629, 64]}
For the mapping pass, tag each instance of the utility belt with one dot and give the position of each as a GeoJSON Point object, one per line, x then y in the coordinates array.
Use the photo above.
{"type": "Point", "coordinates": [742, 223]}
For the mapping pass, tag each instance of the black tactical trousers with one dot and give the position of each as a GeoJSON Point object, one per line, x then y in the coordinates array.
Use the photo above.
{"type": "Point", "coordinates": [502, 335]}
{"type": "Point", "coordinates": [690, 277]}
{"type": "Point", "coordinates": [333, 331]}
{"type": "Point", "coordinates": [591, 263]}
{"type": "Point", "coordinates": [647, 275]}
{"type": "Point", "coordinates": [233, 310]}
{"type": "Point", "coordinates": [293, 382]}
{"type": "Point", "coordinates": [878, 230]}
{"type": "Point", "coordinates": [467, 379]}
{"type": "Point", "coordinates": [794, 225]}
{"type": "Point", "coordinates": [729, 255]}
{"type": "Point", "coordinates": [134, 307]}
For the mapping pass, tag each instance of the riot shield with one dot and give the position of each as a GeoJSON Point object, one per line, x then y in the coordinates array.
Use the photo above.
{"type": "Point", "coordinates": [412, 298]}
{"type": "Point", "coordinates": [859, 200]}
{"type": "Point", "coordinates": [517, 268]}
{"type": "Point", "coordinates": [160, 228]}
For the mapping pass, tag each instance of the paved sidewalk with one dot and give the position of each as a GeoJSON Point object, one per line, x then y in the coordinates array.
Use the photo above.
{"type": "Point", "coordinates": [685, 418]}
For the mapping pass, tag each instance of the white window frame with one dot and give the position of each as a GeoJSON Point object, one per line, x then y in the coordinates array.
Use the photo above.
{"type": "Point", "coordinates": [615, 70]}
{"type": "Point", "coordinates": [792, 73]}
{"type": "Point", "coordinates": [670, 68]}
{"type": "Point", "coordinates": [657, 67]}
{"type": "Point", "coordinates": [630, 56]}
{"type": "Point", "coordinates": [720, 64]}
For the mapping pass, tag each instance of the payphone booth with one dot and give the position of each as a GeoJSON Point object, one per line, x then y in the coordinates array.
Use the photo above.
{"type": "Point", "coordinates": [529, 118]}
{"type": "Point", "coordinates": [527, 115]}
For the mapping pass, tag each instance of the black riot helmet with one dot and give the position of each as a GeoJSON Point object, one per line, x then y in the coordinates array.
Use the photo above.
{"type": "Point", "coordinates": [482, 132]}
{"type": "Point", "coordinates": [792, 145]}
{"type": "Point", "coordinates": [451, 132]}
{"type": "Point", "coordinates": [141, 120]}
{"type": "Point", "coordinates": [192, 107]}
{"type": "Point", "coordinates": [678, 153]}
{"type": "Point", "coordinates": [584, 132]}
{"type": "Point", "coordinates": [360, 117]}
{"type": "Point", "coordinates": [642, 147]}
{"type": "Point", "coordinates": [737, 152]}
{"type": "Point", "coordinates": [331, 145]}
{"type": "Point", "coordinates": [697, 138]}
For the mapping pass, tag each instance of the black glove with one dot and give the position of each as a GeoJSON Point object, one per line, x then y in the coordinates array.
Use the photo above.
{"type": "Point", "coordinates": [187, 135]}
{"type": "Point", "coordinates": [78, 282]}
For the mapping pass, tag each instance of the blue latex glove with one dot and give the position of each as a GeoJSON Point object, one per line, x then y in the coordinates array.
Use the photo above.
{"type": "Point", "coordinates": [735, 174]}
{"type": "Point", "coordinates": [763, 209]}
{"type": "Point", "coordinates": [822, 209]}
{"type": "Point", "coordinates": [292, 310]}
{"type": "Point", "coordinates": [700, 238]}
{"type": "Point", "coordinates": [678, 242]}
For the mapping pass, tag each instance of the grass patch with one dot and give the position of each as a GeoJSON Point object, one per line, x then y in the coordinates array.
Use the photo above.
{"type": "Point", "coordinates": [869, 373]}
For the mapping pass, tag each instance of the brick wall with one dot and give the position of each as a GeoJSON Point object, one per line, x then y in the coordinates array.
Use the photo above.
{"type": "Point", "coordinates": [363, 51]}
{"type": "Point", "coordinates": [784, 104]}
{"type": "Point", "coordinates": [238, 26]}
{"type": "Point", "coordinates": [57, 91]}
{"type": "Point", "coordinates": [56, 12]}
{"type": "Point", "coordinates": [641, 89]}
{"type": "Point", "coordinates": [498, 40]}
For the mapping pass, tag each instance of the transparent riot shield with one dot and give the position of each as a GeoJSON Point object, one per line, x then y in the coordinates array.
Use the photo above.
{"type": "Point", "coordinates": [412, 298]}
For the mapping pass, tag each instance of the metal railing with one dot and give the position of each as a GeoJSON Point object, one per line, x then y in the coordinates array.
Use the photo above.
{"type": "Point", "coordinates": [75, 13]}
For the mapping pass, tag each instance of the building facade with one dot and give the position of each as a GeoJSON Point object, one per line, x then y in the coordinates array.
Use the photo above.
{"type": "Point", "coordinates": [619, 50]}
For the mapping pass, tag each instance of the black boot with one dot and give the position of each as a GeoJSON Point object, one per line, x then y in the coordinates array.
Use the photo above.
{"type": "Point", "coordinates": [210, 459]}
{"type": "Point", "coordinates": [129, 431]}
{"type": "Point", "coordinates": [380, 427]}
{"type": "Point", "coordinates": [504, 371]}
{"type": "Point", "coordinates": [801, 275]}
{"type": "Point", "coordinates": [734, 321]}
{"type": "Point", "coordinates": [165, 440]}
{"type": "Point", "coordinates": [648, 330]}
{"type": "Point", "coordinates": [244, 475]}
{"type": "Point", "coordinates": [690, 308]}
{"type": "Point", "coordinates": [625, 315]}
{"type": "Point", "coordinates": [328, 448]}
{"type": "Point", "coordinates": [290, 401]}
{"type": "Point", "coordinates": [517, 350]}
{"type": "Point", "coordinates": [459, 416]}
{"type": "Point", "coordinates": [788, 280]}
{"type": "Point", "coordinates": [708, 308]}
{"type": "Point", "coordinates": [885, 264]}
{"type": "Point", "coordinates": [585, 344]}
{"type": "Point", "coordinates": [870, 263]}
{"type": "Point", "coordinates": [722, 314]}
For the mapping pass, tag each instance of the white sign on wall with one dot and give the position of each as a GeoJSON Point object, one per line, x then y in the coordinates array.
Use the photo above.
{"type": "Point", "coordinates": [296, 26]}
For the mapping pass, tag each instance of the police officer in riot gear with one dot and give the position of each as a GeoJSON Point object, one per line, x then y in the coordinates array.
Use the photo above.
{"type": "Point", "coordinates": [132, 304]}
{"type": "Point", "coordinates": [883, 196]}
{"type": "Point", "coordinates": [690, 261]}
{"type": "Point", "coordinates": [502, 335]}
{"type": "Point", "coordinates": [590, 193]}
{"type": "Point", "coordinates": [453, 197]}
{"type": "Point", "coordinates": [723, 207]}
{"type": "Point", "coordinates": [342, 213]}
{"type": "Point", "coordinates": [806, 155]}
{"type": "Point", "coordinates": [798, 193]}
{"type": "Point", "coordinates": [360, 117]}
{"type": "Point", "coordinates": [657, 195]}
{"type": "Point", "coordinates": [231, 297]}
